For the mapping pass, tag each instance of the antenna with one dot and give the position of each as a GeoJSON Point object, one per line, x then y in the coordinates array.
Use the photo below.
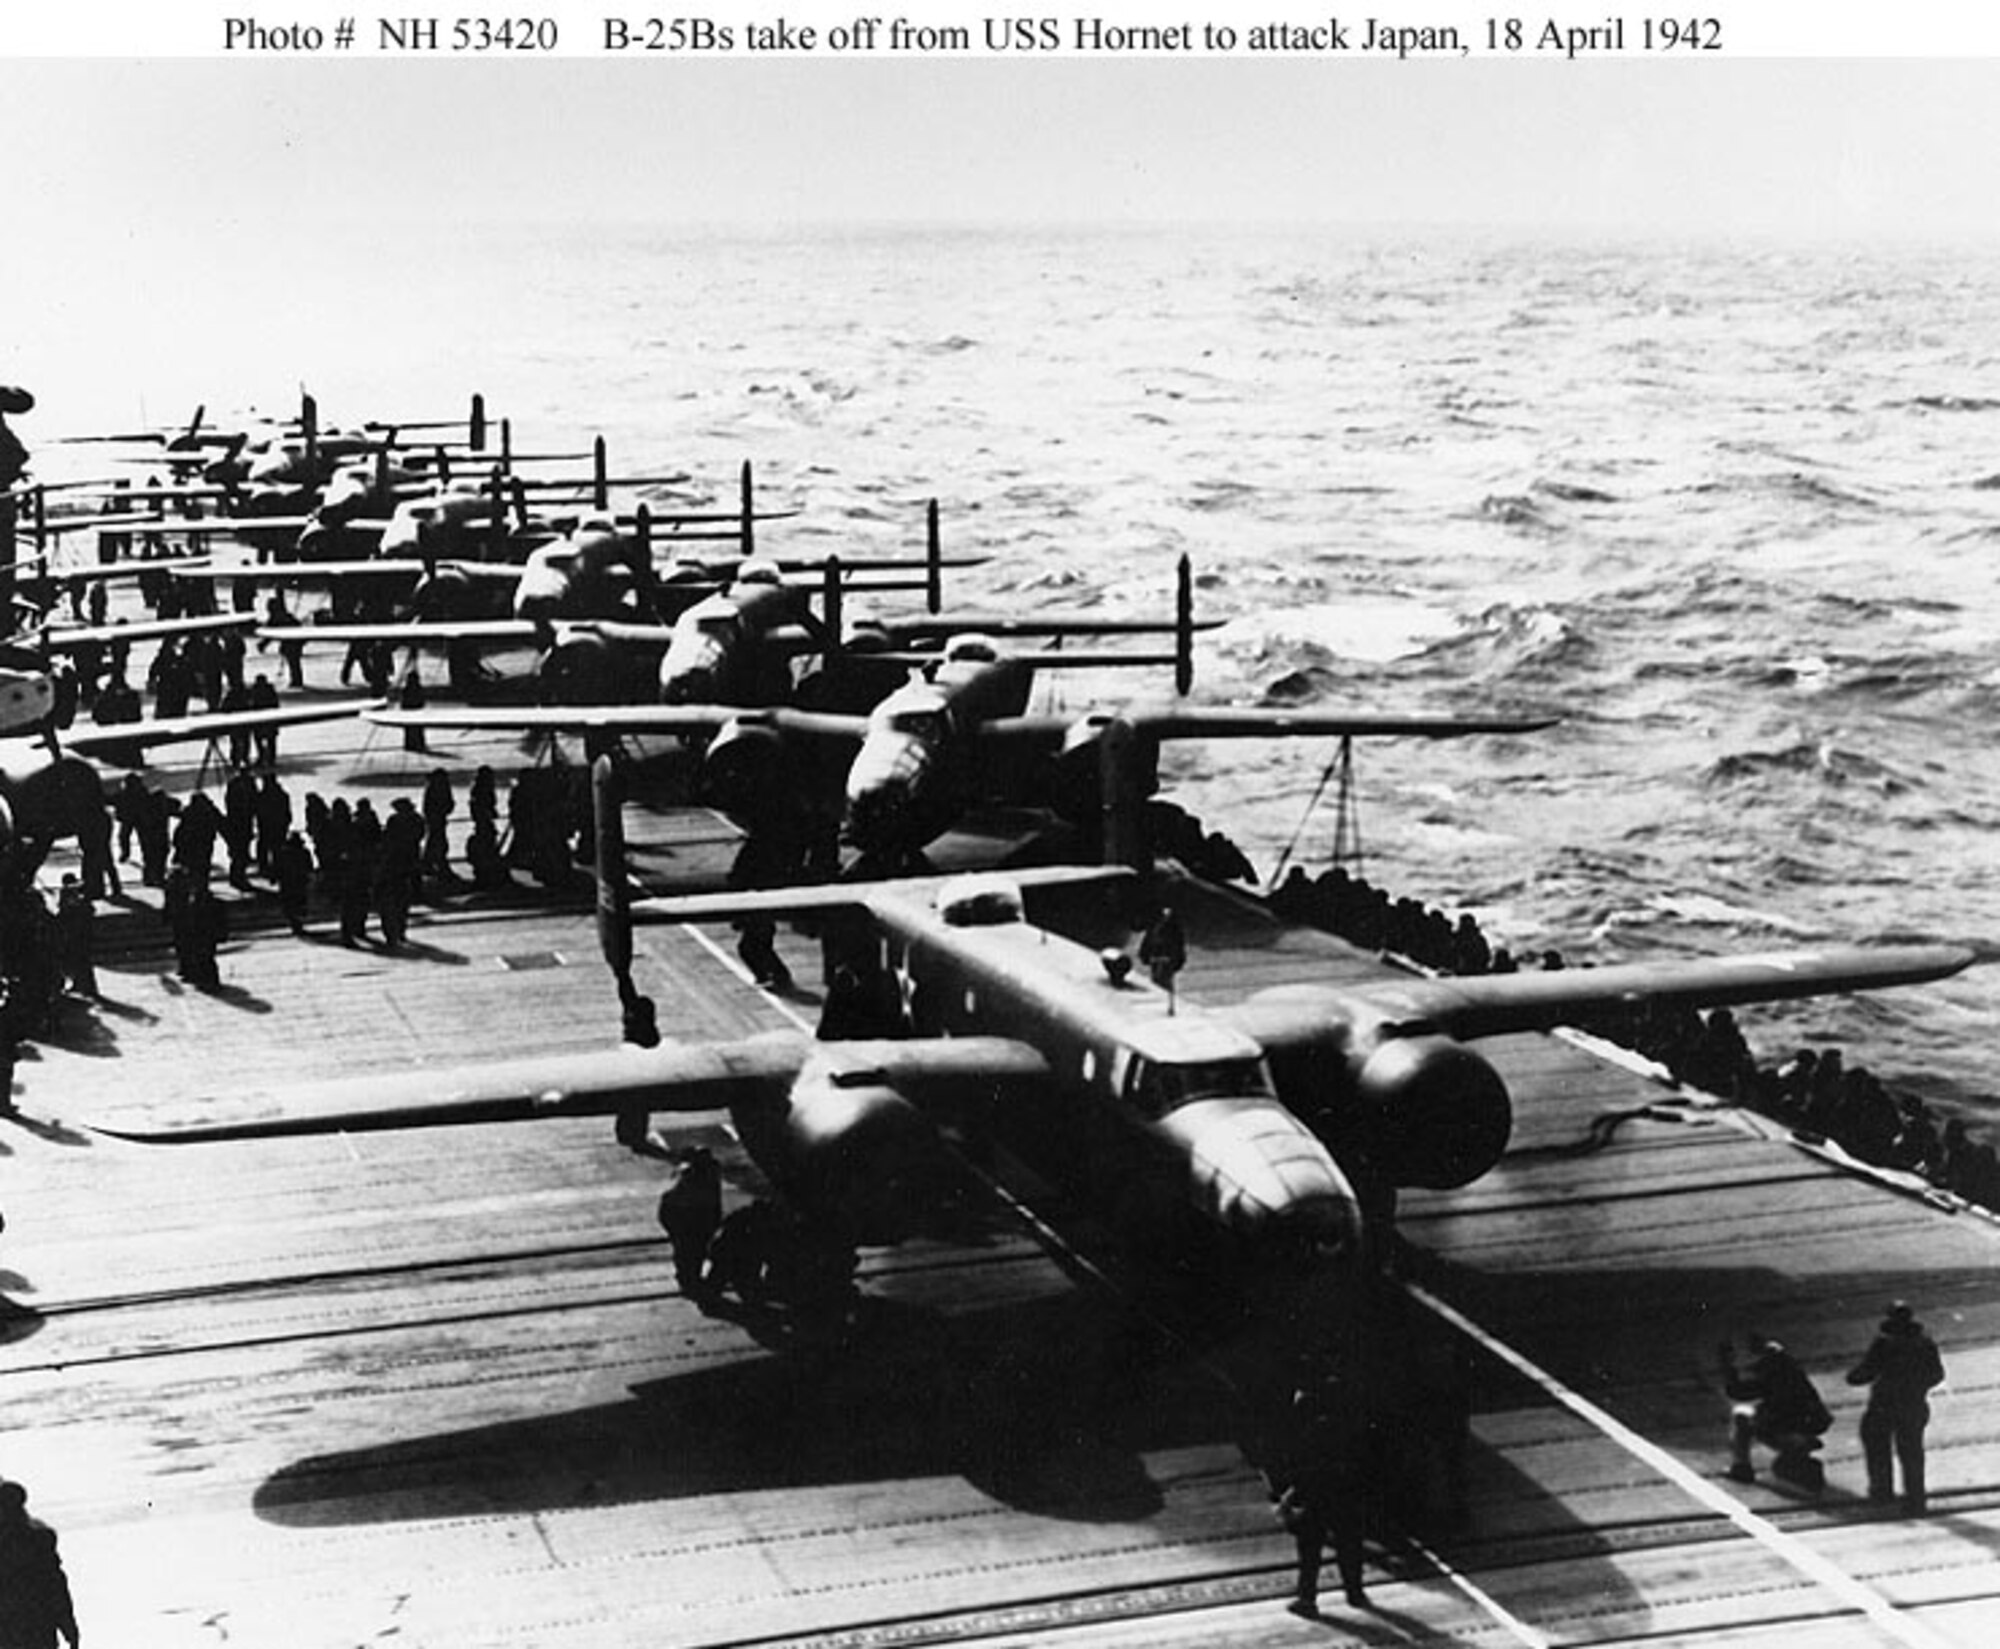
{"type": "Point", "coordinates": [1184, 628]}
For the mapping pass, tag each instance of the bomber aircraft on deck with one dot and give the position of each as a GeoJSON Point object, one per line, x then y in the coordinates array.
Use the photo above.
{"type": "Point", "coordinates": [1267, 1132]}
{"type": "Point", "coordinates": [958, 727]}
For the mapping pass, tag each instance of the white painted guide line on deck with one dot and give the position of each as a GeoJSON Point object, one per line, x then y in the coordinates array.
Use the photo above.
{"type": "Point", "coordinates": [1786, 1548]}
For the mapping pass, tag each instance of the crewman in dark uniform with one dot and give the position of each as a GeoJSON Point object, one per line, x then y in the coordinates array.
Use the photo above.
{"type": "Point", "coordinates": [438, 806]}
{"type": "Point", "coordinates": [10, 1048]}
{"type": "Point", "coordinates": [35, 1604]}
{"type": "Point", "coordinates": [1163, 951]}
{"type": "Point", "coordinates": [411, 697]}
{"type": "Point", "coordinates": [1774, 1403]}
{"type": "Point", "coordinates": [294, 872]}
{"type": "Point", "coordinates": [76, 936]}
{"type": "Point", "coordinates": [236, 700]}
{"type": "Point", "coordinates": [1899, 1369]}
{"type": "Point", "coordinates": [207, 926]}
{"type": "Point", "coordinates": [128, 811]}
{"type": "Point", "coordinates": [357, 871]}
{"type": "Point", "coordinates": [1319, 1483]}
{"type": "Point", "coordinates": [274, 822]}
{"type": "Point", "coordinates": [194, 837]}
{"type": "Point", "coordinates": [771, 856]}
{"type": "Point", "coordinates": [239, 823]}
{"type": "Point", "coordinates": [262, 694]}
{"type": "Point", "coordinates": [398, 868]}
{"type": "Point", "coordinates": [691, 1213]}
{"type": "Point", "coordinates": [278, 616]}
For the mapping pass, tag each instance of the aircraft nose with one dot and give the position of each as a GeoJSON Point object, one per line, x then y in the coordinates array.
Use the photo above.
{"type": "Point", "coordinates": [688, 675]}
{"type": "Point", "coordinates": [873, 813]}
{"type": "Point", "coordinates": [881, 786]}
{"type": "Point", "coordinates": [1259, 1173]}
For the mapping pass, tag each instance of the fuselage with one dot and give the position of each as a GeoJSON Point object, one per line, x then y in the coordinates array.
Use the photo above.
{"type": "Point", "coordinates": [1152, 1099]}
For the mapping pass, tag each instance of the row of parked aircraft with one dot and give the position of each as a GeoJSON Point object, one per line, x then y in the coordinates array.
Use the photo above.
{"type": "Point", "coordinates": [1267, 1128]}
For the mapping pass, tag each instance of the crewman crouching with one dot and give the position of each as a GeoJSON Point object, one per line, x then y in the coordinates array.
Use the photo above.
{"type": "Point", "coordinates": [1774, 1403]}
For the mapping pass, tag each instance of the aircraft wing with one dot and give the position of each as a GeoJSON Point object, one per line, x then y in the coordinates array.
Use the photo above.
{"type": "Point", "coordinates": [63, 638]}
{"type": "Point", "coordinates": [1501, 1003]}
{"type": "Point", "coordinates": [560, 718]}
{"type": "Point", "coordinates": [819, 898]}
{"type": "Point", "coordinates": [204, 526]}
{"type": "Point", "coordinates": [674, 1077]}
{"type": "Point", "coordinates": [102, 570]}
{"type": "Point", "coordinates": [1254, 722]}
{"type": "Point", "coordinates": [109, 738]}
{"type": "Point", "coordinates": [624, 718]}
{"type": "Point", "coordinates": [306, 572]}
{"type": "Point", "coordinates": [412, 633]}
{"type": "Point", "coordinates": [932, 626]}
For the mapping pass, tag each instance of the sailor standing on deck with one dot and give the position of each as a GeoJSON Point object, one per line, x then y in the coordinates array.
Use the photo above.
{"type": "Point", "coordinates": [35, 1604]}
{"type": "Point", "coordinates": [1319, 1485]}
{"type": "Point", "coordinates": [1899, 1369]}
{"type": "Point", "coordinates": [690, 1213]}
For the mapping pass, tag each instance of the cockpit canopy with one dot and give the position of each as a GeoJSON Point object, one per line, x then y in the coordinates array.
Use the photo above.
{"type": "Point", "coordinates": [927, 723]}
{"type": "Point", "coordinates": [1159, 1086]}
{"type": "Point", "coordinates": [980, 902]}
{"type": "Point", "coordinates": [722, 620]}
{"type": "Point", "coordinates": [971, 649]}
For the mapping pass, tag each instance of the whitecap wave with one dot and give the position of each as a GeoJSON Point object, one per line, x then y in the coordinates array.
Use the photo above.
{"type": "Point", "coordinates": [1366, 628]}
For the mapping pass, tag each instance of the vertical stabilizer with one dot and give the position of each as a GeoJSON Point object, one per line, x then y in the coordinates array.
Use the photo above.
{"type": "Point", "coordinates": [614, 898]}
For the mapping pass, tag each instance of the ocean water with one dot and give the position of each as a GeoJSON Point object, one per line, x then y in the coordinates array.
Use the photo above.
{"type": "Point", "coordinates": [1732, 510]}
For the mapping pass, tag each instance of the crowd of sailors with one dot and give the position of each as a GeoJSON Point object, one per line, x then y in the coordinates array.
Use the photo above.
{"type": "Point", "coordinates": [318, 859]}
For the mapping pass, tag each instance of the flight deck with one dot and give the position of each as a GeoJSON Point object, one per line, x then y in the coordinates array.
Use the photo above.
{"type": "Point", "coordinates": [438, 1388]}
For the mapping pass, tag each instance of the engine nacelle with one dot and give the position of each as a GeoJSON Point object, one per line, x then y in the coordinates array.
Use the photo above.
{"type": "Point", "coordinates": [1436, 1114]}
{"type": "Point", "coordinates": [846, 1146]}
{"type": "Point", "coordinates": [584, 669]}
{"type": "Point", "coordinates": [748, 772]}
{"type": "Point", "coordinates": [445, 594]}
{"type": "Point", "coordinates": [1418, 1108]}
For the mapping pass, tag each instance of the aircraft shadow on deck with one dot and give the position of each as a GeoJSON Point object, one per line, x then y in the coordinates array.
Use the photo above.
{"type": "Point", "coordinates": [1045, 1405]}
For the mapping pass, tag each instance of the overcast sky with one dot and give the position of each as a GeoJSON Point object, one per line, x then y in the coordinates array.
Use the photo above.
{"type": "Point", "coordinates": [269, 149]}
